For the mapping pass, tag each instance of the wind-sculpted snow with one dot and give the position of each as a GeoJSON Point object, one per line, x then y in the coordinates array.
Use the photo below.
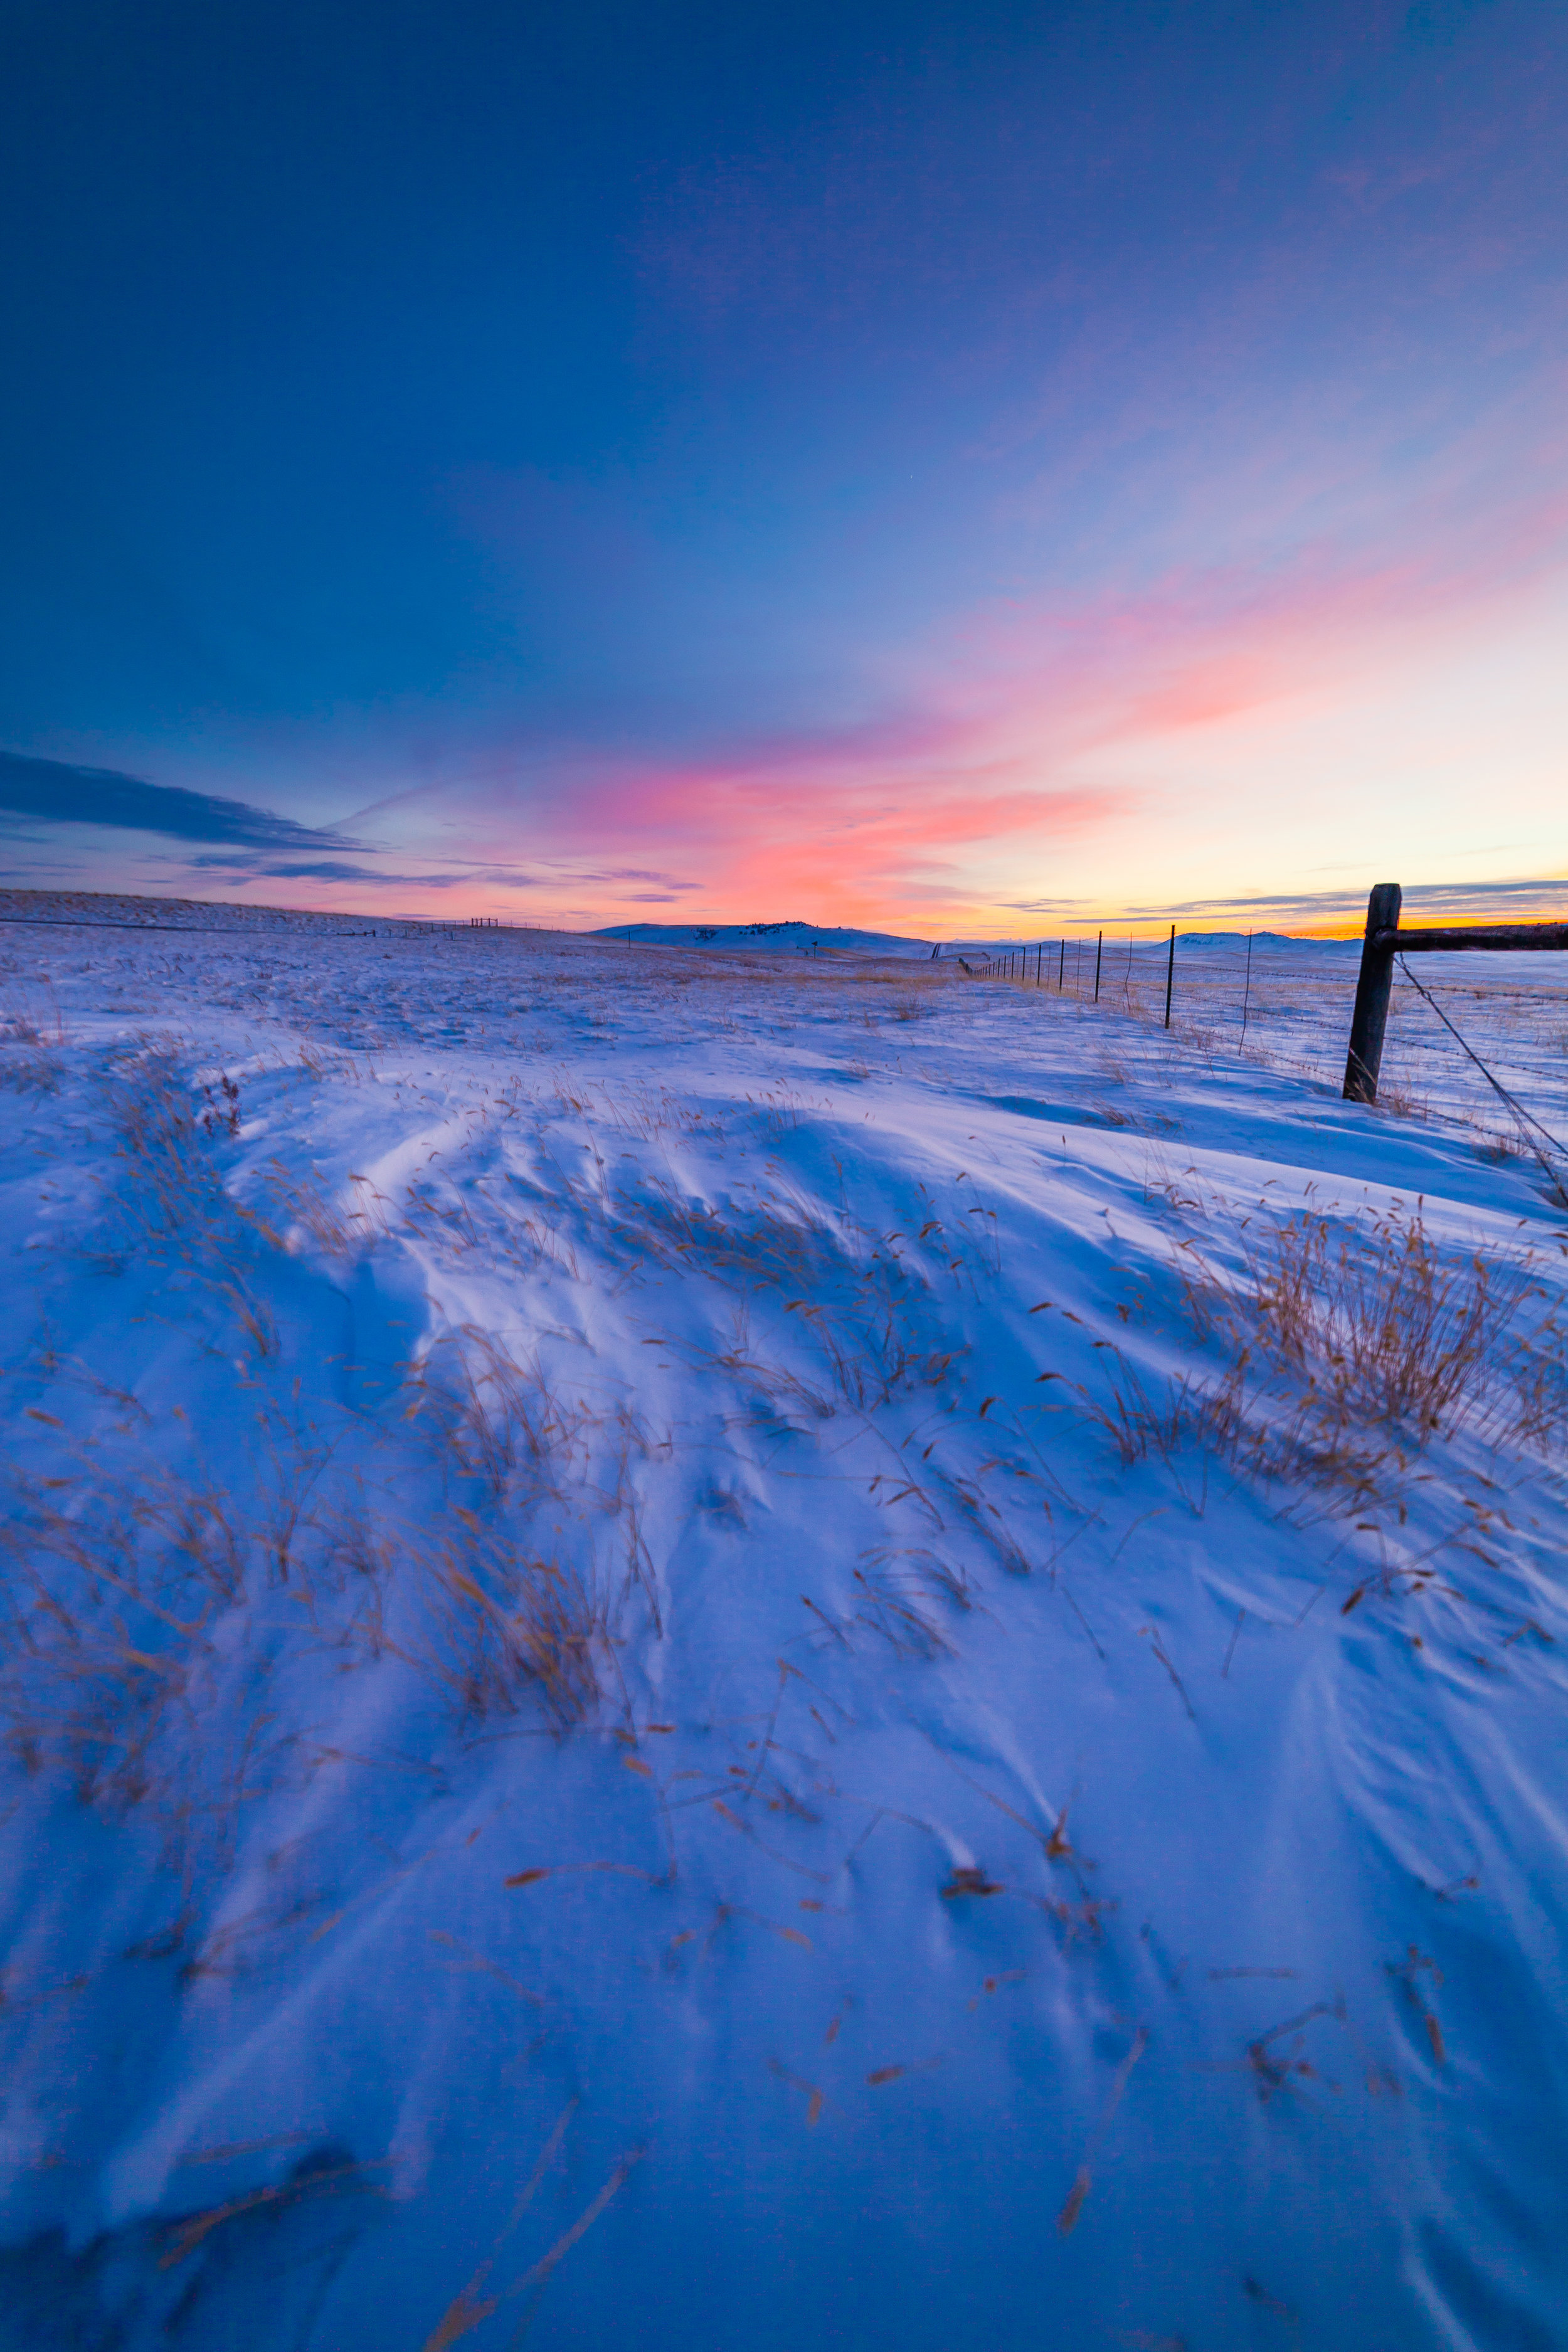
{"type": "Point", "coordinates": [762, 1652]}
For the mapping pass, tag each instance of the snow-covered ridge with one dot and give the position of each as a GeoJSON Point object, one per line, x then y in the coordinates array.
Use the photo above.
{"type": "Point", "coordinates": [771, 939]}
{"type": "Point", "coordinates": [729, 1651]}
{"type": "Point", "coordinates": [819, 939]}
{"type": "Point", "coordinates": [113, 911]}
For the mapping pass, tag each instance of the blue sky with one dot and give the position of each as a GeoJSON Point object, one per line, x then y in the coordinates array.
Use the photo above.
{"type": "Point", "coordinates": [930, 466]}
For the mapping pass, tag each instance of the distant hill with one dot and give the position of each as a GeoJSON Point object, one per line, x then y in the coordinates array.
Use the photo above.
{"type": "Point", "coordinates": [769, 938]}
{"type": "Point", "coordinates": [826, 939]}
{"type": "Point", "coordinates": [1259, 939]}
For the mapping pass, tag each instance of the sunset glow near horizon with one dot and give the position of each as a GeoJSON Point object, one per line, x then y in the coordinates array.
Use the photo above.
{"type": "Point", "coordinates": [977, 471]}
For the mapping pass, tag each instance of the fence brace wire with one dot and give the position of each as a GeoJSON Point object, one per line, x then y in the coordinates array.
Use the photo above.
{"type": "Point", "coordinates": [1526, 1119]}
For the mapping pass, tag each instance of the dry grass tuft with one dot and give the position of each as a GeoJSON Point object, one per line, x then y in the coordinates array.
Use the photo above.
{"type": "Point", "coordinates": [1401, 1101]}
{"type": "Point", "coordinates": [31, 1060]}
{"type": "Point", "coordinates": [778, 1239]}
{"type": "Point", "coordinates": [109, 1602]}
{"type": "Point", "coordinates": [498, 1421]}
{"type": "Point", "coordinates": [145, 1616]}
{"type": "Point", "coordinates": [492, 1622]}
{"type": "Point", "coordinates": [303, 1210]}
{"type": "Point", "coordinates": [172, 1204]}
{"type": "Point", "coordinates": [1374, 1322]}
{"type": "Point", "coordinates": [139, 1622]}
{"type": "Point", "coordinates": [1347, 1343]}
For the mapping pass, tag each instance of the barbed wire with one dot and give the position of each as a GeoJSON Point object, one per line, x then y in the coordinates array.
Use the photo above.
{"type": "Point", "coordinates": [1525, 1119]}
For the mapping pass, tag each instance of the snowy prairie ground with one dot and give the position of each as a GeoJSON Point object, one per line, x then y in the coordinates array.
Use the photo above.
{"type": "Point", "coordinates": [739, 1652]}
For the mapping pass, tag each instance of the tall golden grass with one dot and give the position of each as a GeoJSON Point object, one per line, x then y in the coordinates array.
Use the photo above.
{"type": "Point", "coordinates": [1343, 1342]}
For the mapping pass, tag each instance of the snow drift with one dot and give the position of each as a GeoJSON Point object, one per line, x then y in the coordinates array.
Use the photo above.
{"type": "Point", "coordinates": [723, 1655]}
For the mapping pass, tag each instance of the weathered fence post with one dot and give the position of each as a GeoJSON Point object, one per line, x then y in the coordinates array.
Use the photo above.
{"type": "Point", "coordinates": [1169, 975]}
{"type": "Point", "coordinates": [1061, 967]}
{"type": "Point", "coordinates": [1374, 981]}
{"type": "Point", "coordinates": [1099, 946]}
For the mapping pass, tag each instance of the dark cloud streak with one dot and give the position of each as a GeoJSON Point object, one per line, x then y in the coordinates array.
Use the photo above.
{"type": "Point", "coordinates": [57, 792]}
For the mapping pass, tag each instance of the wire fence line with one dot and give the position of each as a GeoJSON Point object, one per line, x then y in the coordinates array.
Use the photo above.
{"type": "Point", "coordinates": [1482, 1042]}
{"type": "Point", "coordinates": [1553, 1156]}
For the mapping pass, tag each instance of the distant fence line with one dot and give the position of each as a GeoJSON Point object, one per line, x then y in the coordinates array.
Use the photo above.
{"type": "Point", "coordinates": [1300, 1004]}
{"type": "Point", "coordinates": [1013, 963]}
{"type": "Point", "coordinates": [399, 927]}
{"type": "Point", "coordinates": [189, 930]}
{"type": "Point", "coordinates": [1287, 990]}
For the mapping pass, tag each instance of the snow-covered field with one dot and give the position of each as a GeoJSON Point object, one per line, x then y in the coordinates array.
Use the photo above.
{"type": "Point", "coordinates": [741, 1652]}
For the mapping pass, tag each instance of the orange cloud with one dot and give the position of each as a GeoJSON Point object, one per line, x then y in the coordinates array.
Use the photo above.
{"type": "Point", "coordinates": [1234, 734]}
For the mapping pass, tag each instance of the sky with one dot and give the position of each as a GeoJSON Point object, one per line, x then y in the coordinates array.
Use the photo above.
{"type": "Point", "coordinates": [957, 469]}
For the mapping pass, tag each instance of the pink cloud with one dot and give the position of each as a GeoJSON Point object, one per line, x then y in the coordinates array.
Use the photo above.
{"type": "Point", "coordinates": [1004, 754]}
{"type": "Point", "coordinates": [1033, 736]}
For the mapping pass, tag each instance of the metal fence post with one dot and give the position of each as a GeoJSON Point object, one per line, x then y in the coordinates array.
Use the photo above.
{"type": "Point", "coordinates": [1169, 975]}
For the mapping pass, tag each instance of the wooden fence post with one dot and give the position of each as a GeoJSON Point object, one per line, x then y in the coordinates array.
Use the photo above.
{"type": "Point", "coordinates": [1247, 988]}
{"type": "Point", "coordinates": [1169, 975]}
{"type": "Point", "coordinates": [1374, 982]}
{"type": "Point", "coordinates": [1099, 946]}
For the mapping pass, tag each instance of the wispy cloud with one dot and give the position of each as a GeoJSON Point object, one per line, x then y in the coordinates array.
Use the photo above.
{"type": "Point", "coordinates": [337, 869]}
{"type": "Point", "coordinates": [1195, 741]}
{"type": "Point", "coordinates": [1543, 895]}
{"type": "Point", "coordinates": [56, 792]}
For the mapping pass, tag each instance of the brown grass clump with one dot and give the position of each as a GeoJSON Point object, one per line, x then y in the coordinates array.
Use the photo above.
{"type": "Point", "coordinates": [302, 1209]}
{"type": "Point", "coordinates": [136, 1618]}
{"type": "Point", "coordinates": [1345, 1343]}
{"type": "Point", "coordinates": [1373, 1323]}
{"type": "Point", "coordinates": [172, 1202]}
{"type": "Point", "coordinates": [173, 1181]}
{"type": "Point", "coordinates": [917, 986]}
{"type": "Point", "coordinates": [30, 1060]}
{"type": "Point", "coordinates": [108, 1601]}
{"type": "Point", "coordinates": [144, 1613]}
{"type": "Point", "coordinates": [502, 1613]}
{"type": "Point", "coordinates": [493, 1622]}
{"type": "Point", "coordinates": [497, 1420]}
{"type": "Point", "coordinates": [1402, 1101]}
{"type": "Point", "coordinates": [891, 1605]}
